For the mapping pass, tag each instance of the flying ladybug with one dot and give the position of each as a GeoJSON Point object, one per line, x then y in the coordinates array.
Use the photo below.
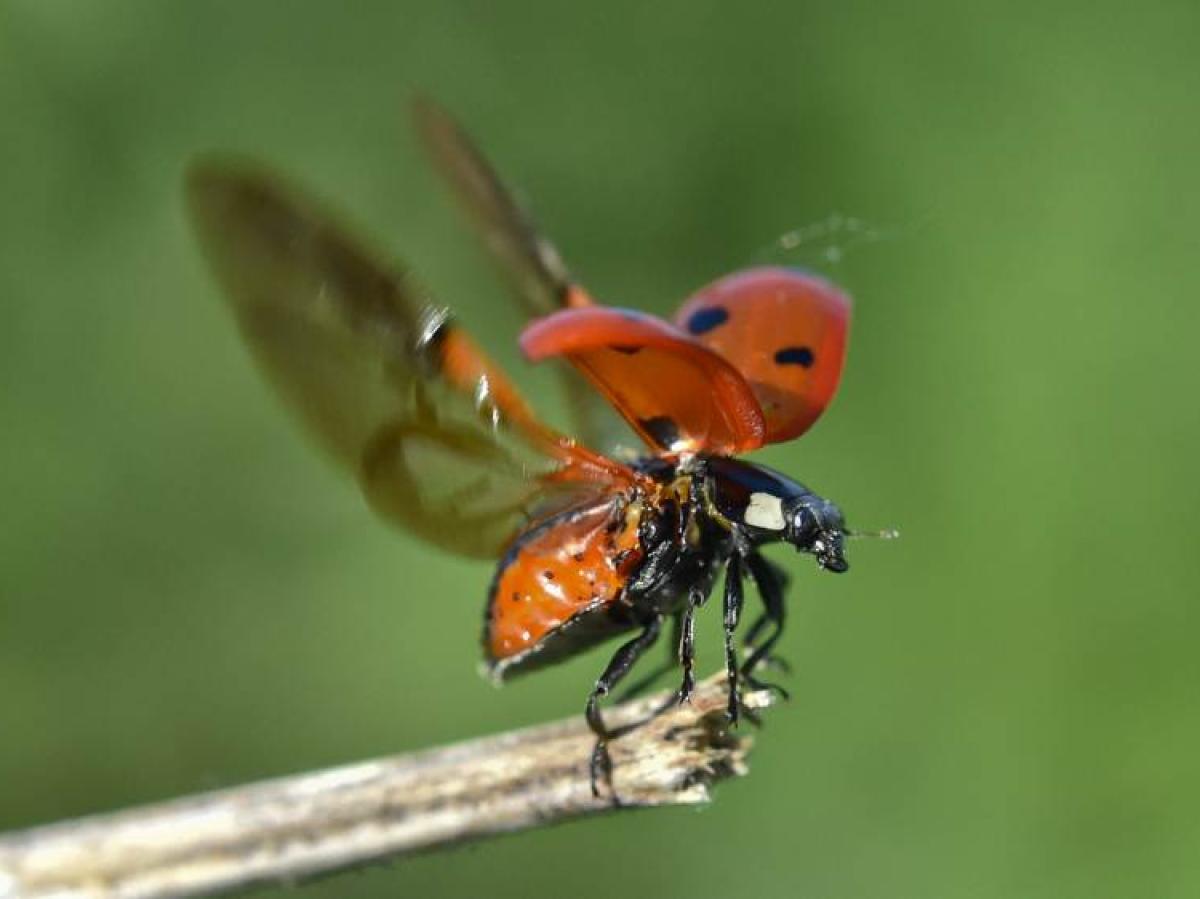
{"type": "Point", "coordinates": [592, 544]}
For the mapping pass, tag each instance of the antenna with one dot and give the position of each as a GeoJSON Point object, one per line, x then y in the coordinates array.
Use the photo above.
{"type": "Point", "coordinates": [885, 534]}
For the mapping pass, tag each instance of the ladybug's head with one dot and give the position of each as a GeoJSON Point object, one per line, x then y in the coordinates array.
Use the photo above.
{"type": "Point", "coordinates": [771, 507]}
{"type": "Point", "coordinates": [815, 525]}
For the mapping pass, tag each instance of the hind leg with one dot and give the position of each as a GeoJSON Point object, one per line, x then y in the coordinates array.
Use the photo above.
{"type": "Point", "coordinates": [674, 657]}
{"type": "Point", "coordinates": [687, 647]}
{"type": "Point", "coordinates": [618, 666]}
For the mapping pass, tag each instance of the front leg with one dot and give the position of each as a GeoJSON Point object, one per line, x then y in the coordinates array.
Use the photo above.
{"type": "Point", "coordinates": [770, 578]}
{"type": "Point", "coordinates": [623, 659]}
{"type": "Point", "coordinates": [771, 583]}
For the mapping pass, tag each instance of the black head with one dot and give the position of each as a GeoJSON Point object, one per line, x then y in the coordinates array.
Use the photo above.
{"type": "Point", "coordinates": [771, 507]}
{"type": "Point", "coordinates": [815, 525]}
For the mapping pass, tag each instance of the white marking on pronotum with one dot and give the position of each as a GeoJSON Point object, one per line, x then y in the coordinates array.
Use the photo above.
{"type": "Point", "coordinates": [765, 511]}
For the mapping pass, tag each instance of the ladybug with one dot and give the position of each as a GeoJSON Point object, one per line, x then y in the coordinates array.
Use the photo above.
{"type": "Point", "coordinates": [592, 545]}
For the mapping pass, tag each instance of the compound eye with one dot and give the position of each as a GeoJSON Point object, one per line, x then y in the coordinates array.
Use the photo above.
{"type": "Point", "coordinates": [802, 524]}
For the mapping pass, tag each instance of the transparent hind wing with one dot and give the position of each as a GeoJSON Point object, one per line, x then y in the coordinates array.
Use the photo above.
{"type": "Point", "coordinates": [528, 260]}
{"type": "Point", "coordinates": [389, 385]}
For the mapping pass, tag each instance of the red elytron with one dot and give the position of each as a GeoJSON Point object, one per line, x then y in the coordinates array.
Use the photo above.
{"type": "Point", "coordinates": [442, 443]}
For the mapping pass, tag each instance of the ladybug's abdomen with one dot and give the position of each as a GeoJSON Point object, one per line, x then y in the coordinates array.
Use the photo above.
{"type": "Point", "coordinates": [560, 586]}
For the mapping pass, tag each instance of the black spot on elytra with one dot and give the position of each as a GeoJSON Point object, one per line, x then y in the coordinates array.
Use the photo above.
{"type": "Point", "coordinates": [578, 557]}
{"type": "Point", "coordinates": [627, 349]}
{"type": "Point", "coordinates": [795, 355]}
{"type": "Point", "coordinates": [704, 320]}
{"type": "Point", "coordinates": [548, 574]}
{"type": "Point", "coordinates": [516, 597]}
{"type": "Point", "coordinates": [662, 430]}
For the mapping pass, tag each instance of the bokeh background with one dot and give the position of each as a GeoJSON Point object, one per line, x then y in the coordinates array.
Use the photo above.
{"type": "Point", "coordinates": [1003, 703]}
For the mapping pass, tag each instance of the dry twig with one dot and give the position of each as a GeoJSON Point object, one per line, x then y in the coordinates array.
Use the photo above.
{"type": "Point", "coordinates": [327, 821]}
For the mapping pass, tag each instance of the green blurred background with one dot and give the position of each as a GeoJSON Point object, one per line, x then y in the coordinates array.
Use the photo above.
{"type": "Point", "coordinates": [1003, 703]}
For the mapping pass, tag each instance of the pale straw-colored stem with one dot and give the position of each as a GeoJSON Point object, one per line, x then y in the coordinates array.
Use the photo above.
{"type": "Point", "coordinates": [283, 830]}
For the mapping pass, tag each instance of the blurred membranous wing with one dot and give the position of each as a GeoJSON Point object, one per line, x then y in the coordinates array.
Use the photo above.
{"type": "Point", "coordinates": [528, 260]}
{"type": "Point", "coordinates": [392, 388]}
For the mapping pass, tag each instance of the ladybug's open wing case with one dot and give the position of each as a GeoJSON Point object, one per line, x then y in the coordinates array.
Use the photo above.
{"type": "Point", "coordinates": [438, 438]}
{"type": "Point", "coordinates": [752, 359]}
{"type": "Point", "coordinates": [785, 331]}
{"type": "Point", "coordinates": [678, 394]}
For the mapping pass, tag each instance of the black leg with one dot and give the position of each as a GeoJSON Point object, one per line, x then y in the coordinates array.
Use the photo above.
{"type": "Point", "coordinates": [781, 582]}
{"type": "Point", "coordinates": [770, 587]}
{"type": "Point", "coordinates": [618, 666]}
{"type": "Point", "coordinates": [687, 645]}
{"type": "Point", "coordinates": [734, 597]}
{"type": "Point", "coordinates": [673, 659]}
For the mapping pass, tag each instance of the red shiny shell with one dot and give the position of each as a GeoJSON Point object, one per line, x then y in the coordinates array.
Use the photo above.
{"type": "Point", "coordinates": [785, 331]}
{"type": "Point", "coordinates": [677, 393]}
